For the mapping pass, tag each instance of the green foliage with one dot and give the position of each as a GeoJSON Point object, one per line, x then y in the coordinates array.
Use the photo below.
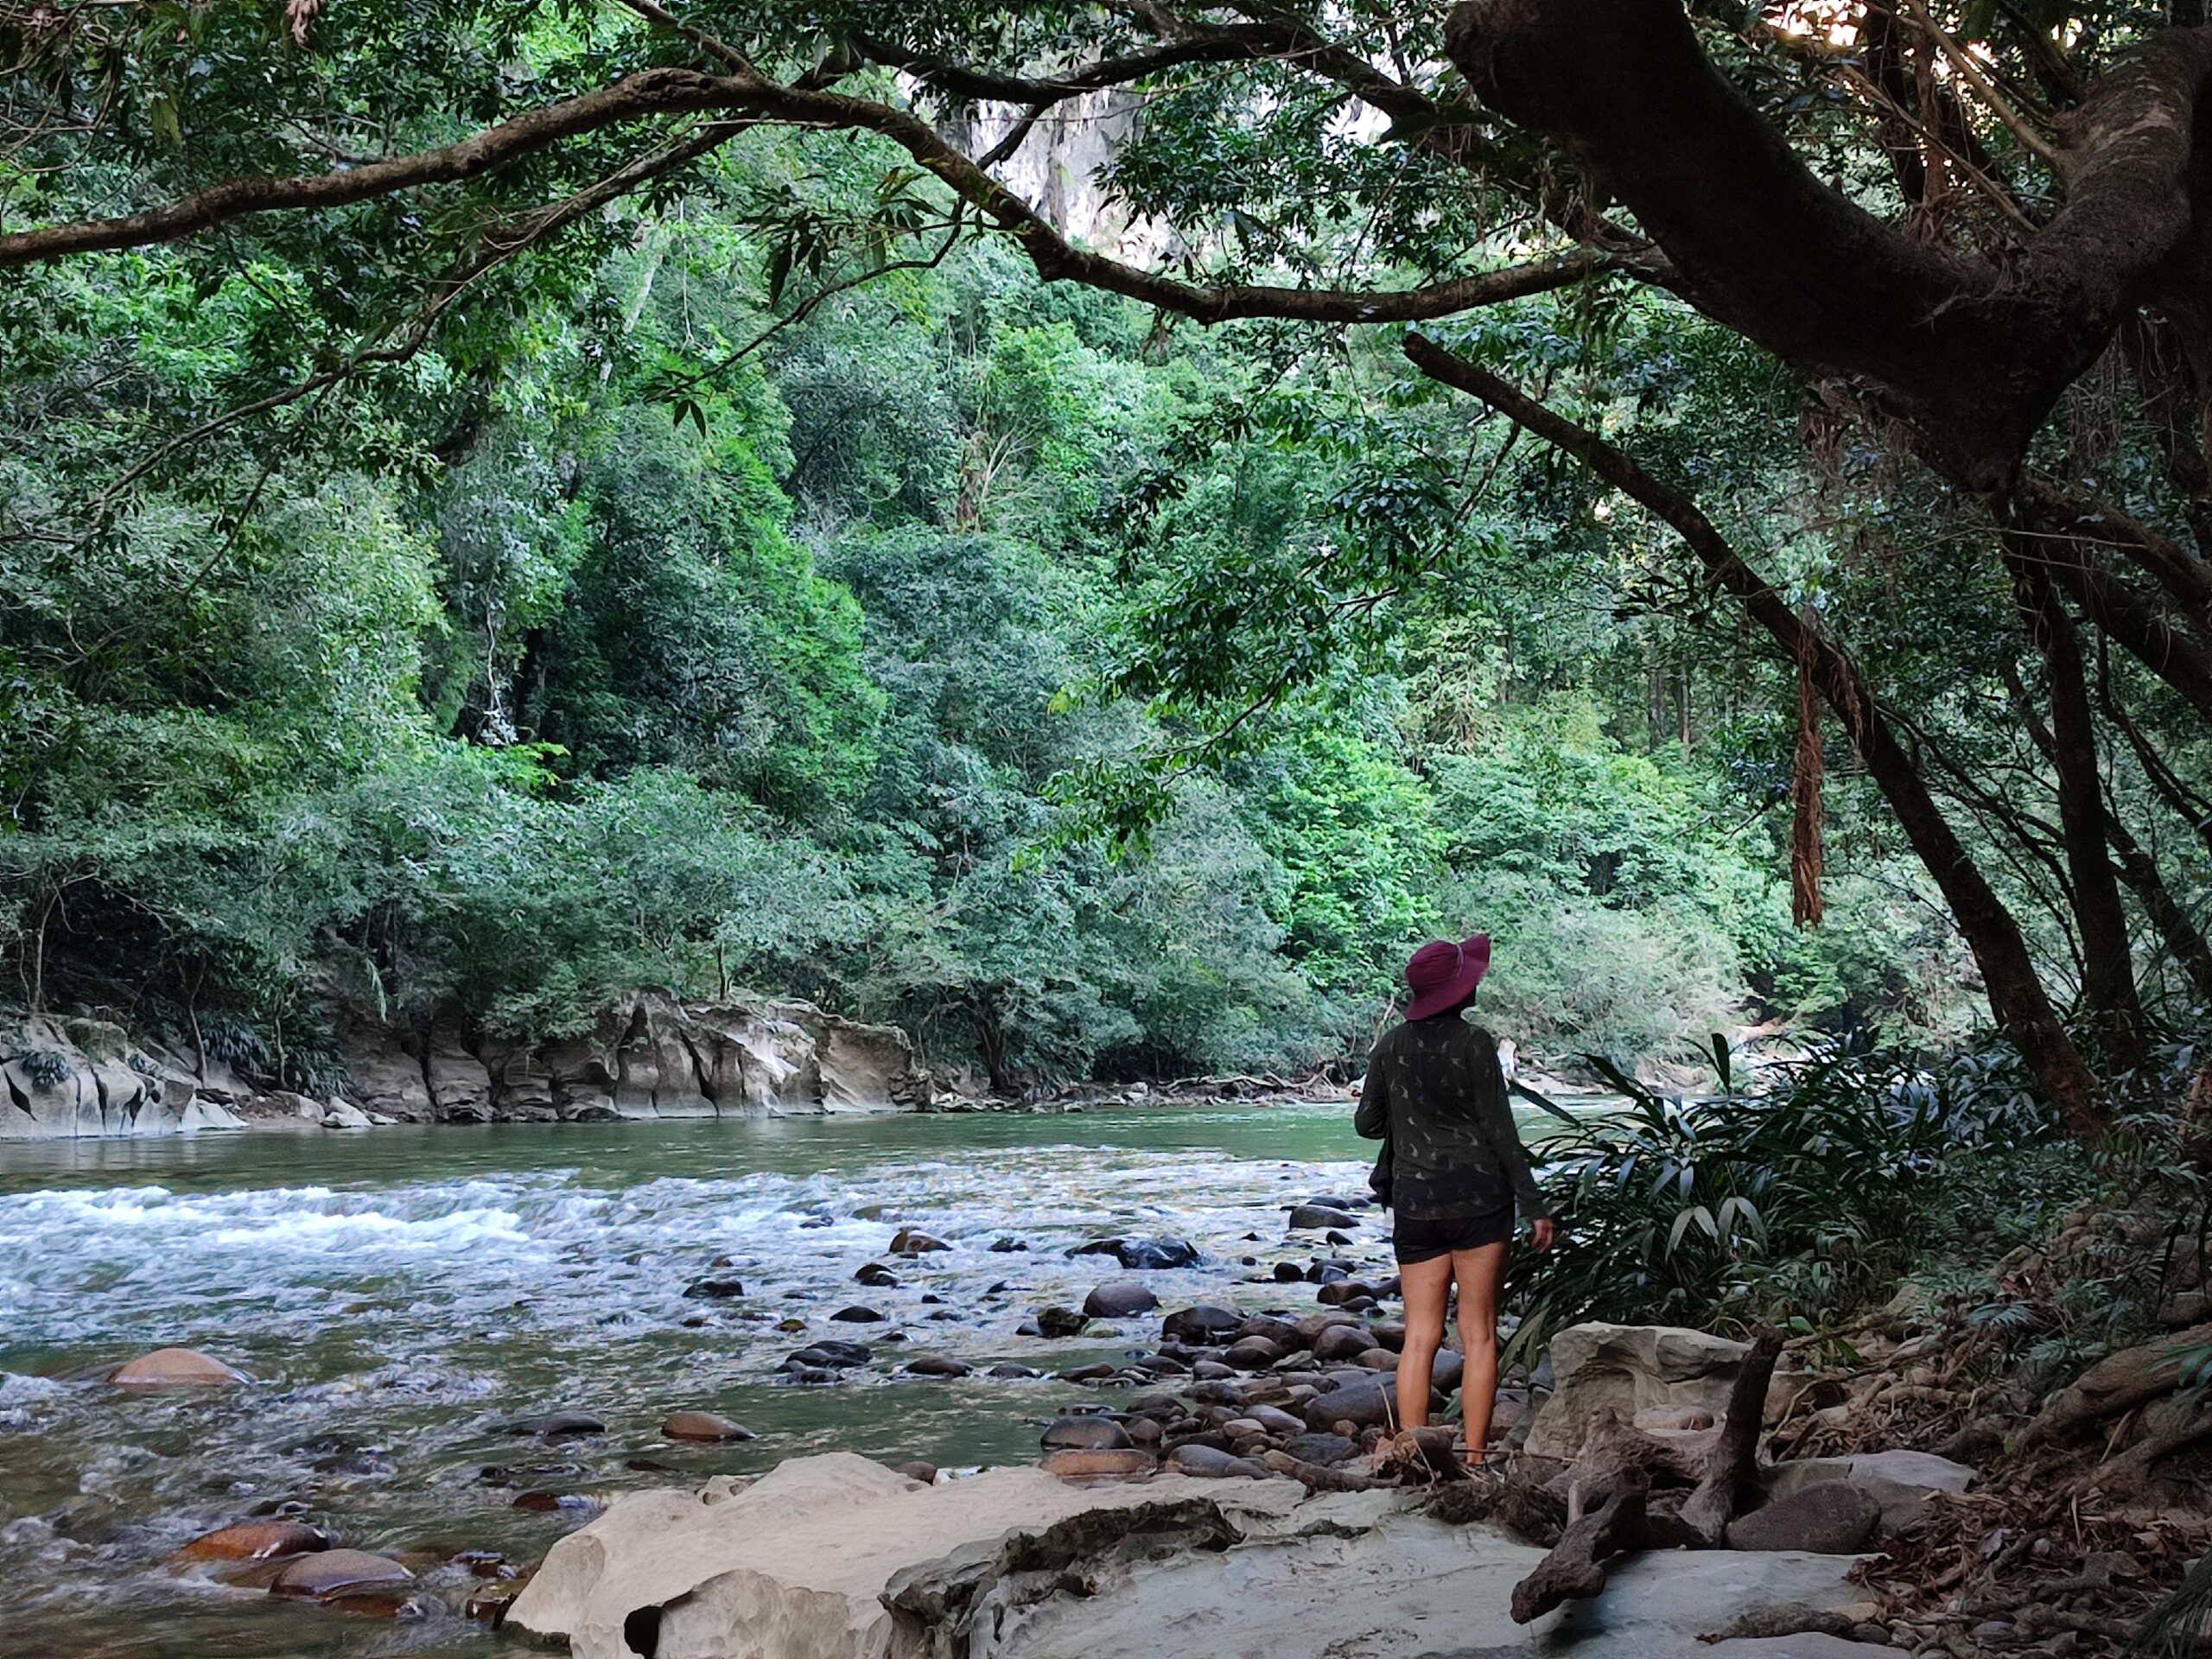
{"type": "Point", "coordinates": [1794, 1197]}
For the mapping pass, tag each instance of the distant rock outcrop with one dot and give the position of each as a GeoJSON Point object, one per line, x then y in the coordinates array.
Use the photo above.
{"type": "Point", "coordinates": [648, 1056]}
{"type": "Point", "coordinates": [71, 1079]}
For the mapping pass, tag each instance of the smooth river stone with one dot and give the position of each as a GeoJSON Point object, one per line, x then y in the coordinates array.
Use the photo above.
{"type": "Point", "coordinates": [1120, 1299]}
{"type": "Point", "coordinates": [173, 1368]}
{"type": "Point", "coordinates": [337, 1572]}
{"type": "Point", "coordinates": [1086, 1434]}
{"type": "Point", "coordinates": [704, 1425]}
{"type": "Point", "coordinates": [1079, 1464]}
{"type": "Point", "coordinates": [254, 1541]}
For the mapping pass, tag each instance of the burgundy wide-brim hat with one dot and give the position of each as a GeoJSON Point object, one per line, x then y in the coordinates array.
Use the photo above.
{"type": "Point", "coordinates": [1442, 975]}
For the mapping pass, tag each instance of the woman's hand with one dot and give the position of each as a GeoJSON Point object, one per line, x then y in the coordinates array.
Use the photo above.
{"type": "Point", "coordinates": [1543, 1233]}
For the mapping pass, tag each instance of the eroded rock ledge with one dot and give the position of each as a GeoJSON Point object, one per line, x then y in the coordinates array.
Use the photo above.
{"type": "Point", "coordinates": [836, 1557]}
{"type": "Point", "coordinates": [648, 1056]}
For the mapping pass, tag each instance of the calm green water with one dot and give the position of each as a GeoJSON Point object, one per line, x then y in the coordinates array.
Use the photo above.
{"type": "Point", "coordinates": [398, 1297]}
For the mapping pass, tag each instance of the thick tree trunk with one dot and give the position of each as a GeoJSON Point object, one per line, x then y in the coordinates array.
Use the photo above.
{"type": "Point", "coordinates": [2107, 961]}
{"type": "Point", "coordinates": [1971, 356]}
{"type": "Point", "coordinates": [2016, 997]}
{"type": "Point", "coordinates": [2184, 939]}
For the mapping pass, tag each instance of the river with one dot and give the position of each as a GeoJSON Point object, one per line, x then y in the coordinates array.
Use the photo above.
{"type": "Point", "coordinates": [400, 1298]}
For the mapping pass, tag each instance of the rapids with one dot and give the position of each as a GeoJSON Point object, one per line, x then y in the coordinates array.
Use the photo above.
{"type": "Point", "coordinates": [400, 1298]}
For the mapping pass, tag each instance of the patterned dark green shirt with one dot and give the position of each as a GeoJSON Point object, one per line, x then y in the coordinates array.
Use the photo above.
{"type": "Point", "coordinates": [1435, 1086]}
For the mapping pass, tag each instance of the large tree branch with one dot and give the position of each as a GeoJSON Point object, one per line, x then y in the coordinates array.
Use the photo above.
{"type": "Point", "coordinates": [1972, 357]}
{"type": "Point", "coordinates": [2016, 994]}
{"type": "Point", "coordinates": [649, 93]}
{"type": "Point", "coordinates": [666, 92]}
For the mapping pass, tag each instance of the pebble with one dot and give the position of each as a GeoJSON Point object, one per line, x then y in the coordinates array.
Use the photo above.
{"type": "Point", "coordinates": [173, 1368]}
{"type": "Point", "coordinates": [704, 1425]}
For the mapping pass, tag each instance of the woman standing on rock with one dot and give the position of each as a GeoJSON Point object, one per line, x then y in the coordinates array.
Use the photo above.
{"type": "Point", "coordinates": [1436, 1096]}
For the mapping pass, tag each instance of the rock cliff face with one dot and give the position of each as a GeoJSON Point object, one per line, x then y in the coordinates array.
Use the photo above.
{"type": "Point", "coordinates": [68, 1079]}
{"type": "Point", "coordinates": [648, 1056]}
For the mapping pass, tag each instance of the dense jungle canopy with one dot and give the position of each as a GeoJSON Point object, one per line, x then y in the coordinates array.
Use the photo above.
{"type": "Point", "coordinates": [1089, 530]}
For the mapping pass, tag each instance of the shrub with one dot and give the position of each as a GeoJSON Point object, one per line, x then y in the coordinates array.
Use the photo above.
{"type": "Point", "coordinates": [1791, 1201]}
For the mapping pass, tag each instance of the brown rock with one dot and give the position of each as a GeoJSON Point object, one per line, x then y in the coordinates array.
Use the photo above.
{"type": "Point", "coordinates": [337, 1572]}
{"type": "Point", "coordinates": [1376, 1359]}
{"type": "Point", "coordinates": [1103, 1465]}
{"type": "Point", "coordinates": [704, 1425]}
{"type": "Point", "coordinates": [173, 1368]}
{"type": "Point", "coordinates": [1252, 1354]}
{"type": "Point", "coordinates": [911, 1240]}
{"type": "Point", "coordinates": [254, 1541]}
{"type": "Point", "coordinates": [1340, 1342]}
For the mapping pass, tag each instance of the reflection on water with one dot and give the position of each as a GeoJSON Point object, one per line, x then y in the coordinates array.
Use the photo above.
{"type": "Point", "coordinates": [399, 1298]}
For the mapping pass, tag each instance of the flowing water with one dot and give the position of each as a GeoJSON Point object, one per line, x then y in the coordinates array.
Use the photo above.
{"type": "Point", "coordinates": [398, 1299]}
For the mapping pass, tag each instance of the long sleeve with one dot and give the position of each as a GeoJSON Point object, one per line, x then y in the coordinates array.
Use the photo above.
{"type": "Point", "coordinates": [1371, 1122]}
{"type": "Point", "coordinates": [1495, 1114]}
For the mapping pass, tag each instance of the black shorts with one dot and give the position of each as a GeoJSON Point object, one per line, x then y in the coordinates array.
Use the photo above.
{"type": "Point", "coordinates": [1416, 1240]}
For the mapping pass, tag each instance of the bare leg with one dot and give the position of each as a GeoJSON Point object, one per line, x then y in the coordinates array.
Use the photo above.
{"type": "Point", "coordinates": [1424, 1285]}
{"type": "Point", "coordinates": [1479, 1273]}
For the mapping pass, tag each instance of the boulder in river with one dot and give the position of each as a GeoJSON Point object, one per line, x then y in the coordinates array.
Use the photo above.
{"type": "Point", "coordinates": [937, 1366]}
{"type": "Point", "coordinates": [875, 1273]}
{"type": "Point", "coordinates": [1143, 1253]}
{"type": "Point", "coordinates": [715, 1288]}
{"type": "Point", "coordinates": [913, 1241]}
{"type": "Point", "coordinates": [704, 1427]}
{"type": "Point", "coordinates": [1053, 1321]}
{"type": "Point", "coordinates": [337, 1572]}
{"type": "Point", "coordinates": [1202, 1325]}
{"type": "Point", "coordinates": [1317, 1217]}
{"type": "Point", "coordinates": [1084, 1433]}
{"type": "Point", "coordinates": [254, 1541]}
{"type": "Point", "coordinates": [857, 1316]}
{"type": "Point", "coordinates": [559, 1426]}
{"type": "Point", "coordinates": [1120, 1299]}
{"type": "Point", "coordinates": [173, 1368]}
